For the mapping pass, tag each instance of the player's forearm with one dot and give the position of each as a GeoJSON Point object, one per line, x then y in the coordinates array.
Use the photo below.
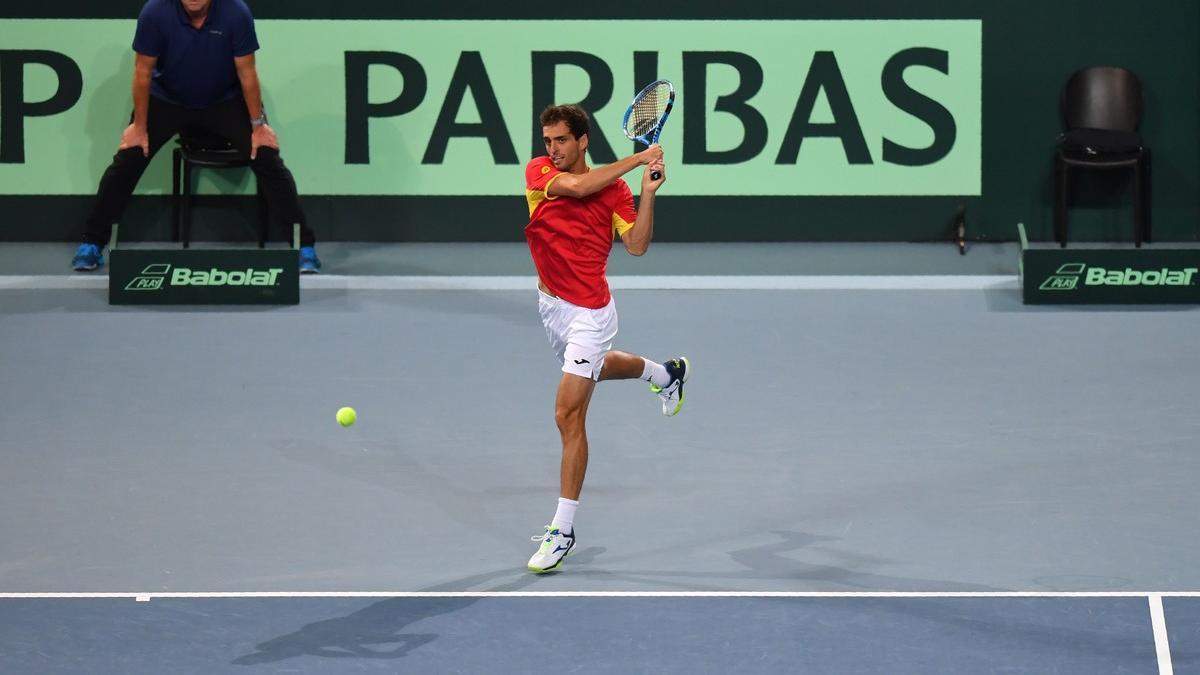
{"type": "Point", "coordinates": [251, 91]}
{"type": "Point", "coordinates": [597, 179]}
{"type": "Point", "coordinates": [141, 97]}
{"type": "Point", "coordinates": [637, 238]}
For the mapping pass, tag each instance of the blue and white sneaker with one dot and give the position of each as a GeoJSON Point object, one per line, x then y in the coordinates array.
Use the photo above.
{"type": "Point", "coordinates": [87, 258]}
{"type": "Point", "coordinates": [555, 547]}
{"type": "Point", "coordinates": [680, 369]}
{"type": "Point", "coordinates": [309, 262]}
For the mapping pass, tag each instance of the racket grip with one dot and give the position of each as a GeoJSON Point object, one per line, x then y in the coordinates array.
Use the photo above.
{"type": "Point", "coordinates": [655, 175]}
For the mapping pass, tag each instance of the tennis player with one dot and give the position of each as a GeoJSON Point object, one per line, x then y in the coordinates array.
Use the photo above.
{"type": "Point", "coordinates": [574, 214]}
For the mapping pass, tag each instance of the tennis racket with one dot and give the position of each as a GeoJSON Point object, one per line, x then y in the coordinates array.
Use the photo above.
{"type": "Point", "coordinates": [648, 113]}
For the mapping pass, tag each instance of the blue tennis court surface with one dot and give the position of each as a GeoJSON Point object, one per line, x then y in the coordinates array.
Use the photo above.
{"type": "Point", "coordinates": [872, 474]}
{"type": "Point", "coordinates": [595, 634]}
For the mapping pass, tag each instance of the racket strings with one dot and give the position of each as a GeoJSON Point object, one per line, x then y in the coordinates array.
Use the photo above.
{"type": "Point", "coordinates": [647, 110]}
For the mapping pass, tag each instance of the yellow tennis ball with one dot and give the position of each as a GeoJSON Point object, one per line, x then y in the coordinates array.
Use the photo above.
{"type": "Point", "coordinates": [346, 416]}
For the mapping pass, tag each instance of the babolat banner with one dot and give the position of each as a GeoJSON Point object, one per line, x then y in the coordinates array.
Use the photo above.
{"type": "Point", "coordinates": [1110, 276]}
{"type": "Point", "coordinates": [431, 107]}
{"type": "Point", "coordinates": [203, 277]}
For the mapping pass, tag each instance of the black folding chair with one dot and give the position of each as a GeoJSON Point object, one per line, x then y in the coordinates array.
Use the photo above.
{"type": "Point", "coordinates": [196, 150]}
{"type": "Point", "coordinates": [1102, 111]}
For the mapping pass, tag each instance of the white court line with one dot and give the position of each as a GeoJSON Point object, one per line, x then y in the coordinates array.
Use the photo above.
{"type": "Point", "coordinates": [939, 282]}
{"type": "Point", "coordinates": [690, 283]}
{"type": "Point", "coordinates": [1157, 620]}
{"type": "Point", "coordinates": [146, 596]}
{"type": "Point", "coordinates": [39, 282]}
{"type": "Point", "coordinates": [1162, 646]}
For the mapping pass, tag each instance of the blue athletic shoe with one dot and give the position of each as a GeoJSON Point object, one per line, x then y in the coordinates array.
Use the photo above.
{"type": "Point", "coordinates": [309, 262]}
{"type": "Point", "coordinates": [680, 369]}
{"type": "Point", "coordinates": [87, 257]}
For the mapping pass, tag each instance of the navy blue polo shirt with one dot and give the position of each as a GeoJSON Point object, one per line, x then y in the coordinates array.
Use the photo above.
{"type": "Point", "coordinates": [195, 66]}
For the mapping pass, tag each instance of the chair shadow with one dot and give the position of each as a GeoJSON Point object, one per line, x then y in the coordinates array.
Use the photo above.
{"type": "Point", "coordinates": [769, 563]}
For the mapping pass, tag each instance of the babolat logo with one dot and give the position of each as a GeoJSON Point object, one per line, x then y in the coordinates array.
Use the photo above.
{"type": "Point", "coordinates": [183, 276]}
{"type": "Point", "coordinates": [1098, 276]}
{"type": "Point", "coordinates": [151, 278]}
{"type": "Point", "coordinates": [1067, 277]}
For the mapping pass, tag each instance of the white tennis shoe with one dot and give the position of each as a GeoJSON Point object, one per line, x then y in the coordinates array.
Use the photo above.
{"type": "Point", "coordinates": [555, 547]}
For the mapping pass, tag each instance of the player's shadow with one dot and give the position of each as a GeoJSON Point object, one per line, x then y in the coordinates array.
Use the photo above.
{"type": "Point", "coordinates": [376, 631]}
{"type": "Point", "coordinates": [373, 632]}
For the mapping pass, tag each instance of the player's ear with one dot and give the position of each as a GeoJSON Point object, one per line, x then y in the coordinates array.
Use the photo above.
{"type": "Point", "coordinates": [583, 141]}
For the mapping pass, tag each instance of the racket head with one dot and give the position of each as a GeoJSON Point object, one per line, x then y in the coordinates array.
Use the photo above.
{"type": "Point", "coordinates": [646, 115]}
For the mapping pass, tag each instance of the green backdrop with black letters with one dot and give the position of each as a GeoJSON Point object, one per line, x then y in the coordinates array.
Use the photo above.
{"type": "Point", "coordinates": [1028, 49]}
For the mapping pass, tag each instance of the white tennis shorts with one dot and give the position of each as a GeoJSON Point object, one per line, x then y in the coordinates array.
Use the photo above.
{"type": "Point", "coordinates": [580, 337]}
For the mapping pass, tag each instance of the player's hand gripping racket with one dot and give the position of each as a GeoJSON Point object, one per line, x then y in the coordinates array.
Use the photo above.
{"type": "Point", "coordinates": [648, 113]}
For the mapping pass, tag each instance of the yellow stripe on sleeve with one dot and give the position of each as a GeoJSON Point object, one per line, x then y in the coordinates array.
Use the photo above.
{"type": "Point", "coordinates": [620, 225]}
{"type": "Point", "coordinates": [533, 198]}
{"type": "Point", "coordinates": [550, 182]}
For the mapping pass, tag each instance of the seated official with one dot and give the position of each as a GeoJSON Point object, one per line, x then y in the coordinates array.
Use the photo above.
{"type": "Point", "coordinates": [194, 69]}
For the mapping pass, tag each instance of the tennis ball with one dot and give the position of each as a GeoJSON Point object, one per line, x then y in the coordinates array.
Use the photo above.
{"type": "Point", "coordinates": [346, 416]}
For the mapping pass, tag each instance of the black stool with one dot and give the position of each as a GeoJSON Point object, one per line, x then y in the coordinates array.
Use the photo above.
{"type": "Point", "coordinates": [210, 152]}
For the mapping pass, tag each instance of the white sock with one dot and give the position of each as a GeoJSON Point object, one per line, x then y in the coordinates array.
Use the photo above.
{"type": "Point", "coordinates": [564, 517]}
{"type": "Point", "coordinates": [655, 373]}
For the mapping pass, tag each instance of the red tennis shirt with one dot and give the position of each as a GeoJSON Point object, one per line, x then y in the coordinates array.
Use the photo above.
{"type": "Point", "coordinates": [570, 239]}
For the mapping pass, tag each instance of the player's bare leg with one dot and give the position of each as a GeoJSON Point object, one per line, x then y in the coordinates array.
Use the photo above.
{"type": "Point", "coordinates": [570, 414]}
{"type": "Point", "coordinates": [666, 379]}
{"type": "Point", "coordinates": [622, 366]}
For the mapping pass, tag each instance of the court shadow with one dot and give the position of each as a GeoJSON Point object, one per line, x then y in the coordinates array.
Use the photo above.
{"type": "Point", "coordinates": [1006, 300]}
{"type": "Point", "coordinates": [1010, 300]}
{"type": "Point", "coordinates": [777, 564]}
{"type": "Point", "coordinates": [374, 632]}
{"type": "Point", "coordinates": [769, 562]}
{"type": "Point", "coordinates": [513, 578]}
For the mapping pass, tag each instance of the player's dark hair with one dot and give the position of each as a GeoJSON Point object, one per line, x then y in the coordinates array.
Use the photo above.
{"type": "Point", "coordinates": [575, 117]}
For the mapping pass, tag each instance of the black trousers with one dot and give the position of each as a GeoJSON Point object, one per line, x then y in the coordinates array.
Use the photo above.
{"type": "Point", "coordinates": [229, 120]}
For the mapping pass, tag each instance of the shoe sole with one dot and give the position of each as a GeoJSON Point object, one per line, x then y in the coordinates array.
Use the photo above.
{"type": "Point", "coordinates": [543, 570]}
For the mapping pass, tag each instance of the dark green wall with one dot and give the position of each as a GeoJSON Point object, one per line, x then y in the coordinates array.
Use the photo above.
{"type": "Point", "coordinates": [1029, 49]}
